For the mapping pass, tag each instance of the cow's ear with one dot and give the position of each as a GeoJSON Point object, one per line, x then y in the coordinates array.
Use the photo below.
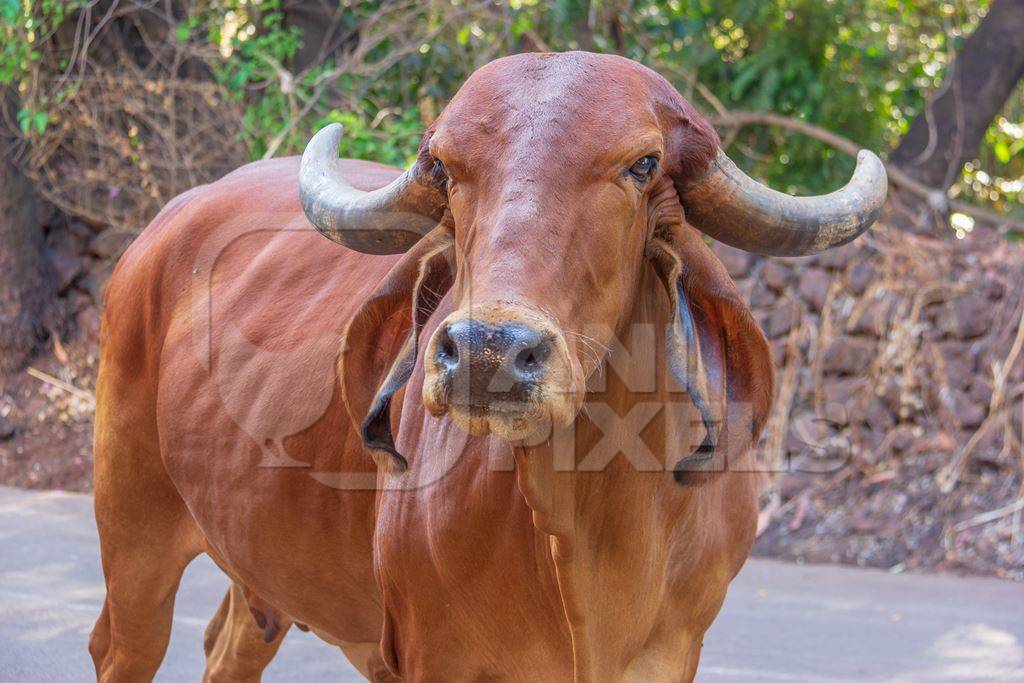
{"type": "Point", "coordinates": [714, 349]}
{"type": "Point", "coordinates": [380, 342]}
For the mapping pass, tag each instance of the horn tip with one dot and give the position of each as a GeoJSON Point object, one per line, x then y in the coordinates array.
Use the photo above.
{"type": "Point", "coordinates": [869, 163]}
{"type": "Point", "coordinates": [328, 136]}
{"type": "Point", "coordinates": [866, 157]}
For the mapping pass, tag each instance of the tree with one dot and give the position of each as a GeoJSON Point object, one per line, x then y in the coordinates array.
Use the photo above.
{"type": "Point", "coordinates": [952, 125]}
{"type": "Point", "coordinates": [25, 285]}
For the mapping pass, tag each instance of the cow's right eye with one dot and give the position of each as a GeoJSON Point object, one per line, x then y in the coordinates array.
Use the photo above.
{"type": "Point", "coordinates": [439, 174]}
{"type": "Point", "coordinates": [642, 169]}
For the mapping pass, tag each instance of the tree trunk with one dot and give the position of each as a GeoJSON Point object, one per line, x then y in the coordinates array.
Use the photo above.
{"type": "Point", "coordinates": [318, 28]}
{"type": "Point", "coordinates": [980, 79]}
{"type": "Point", "coordinates": [25, 289]}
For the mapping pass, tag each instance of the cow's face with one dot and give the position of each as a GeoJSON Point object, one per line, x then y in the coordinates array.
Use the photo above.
{"type": "Point", "coordinates": [553, 176]}
{"type": "Point", "coordinates": [551, 179]}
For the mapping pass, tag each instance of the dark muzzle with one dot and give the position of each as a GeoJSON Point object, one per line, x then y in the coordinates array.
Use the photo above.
{"type": "Point", "coordinates": [492, 367]}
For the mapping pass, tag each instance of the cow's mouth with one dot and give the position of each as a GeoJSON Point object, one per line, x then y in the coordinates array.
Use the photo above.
{"type": "Point", "coordinates": [502, 422]}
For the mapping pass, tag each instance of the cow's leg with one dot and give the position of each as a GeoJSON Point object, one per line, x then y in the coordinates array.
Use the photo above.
{"type": "Point", "coordinates": [130, 637]}
{"type": "Point", "coordinates": [234, 643]}
{"type": "Point", "coordinates": [147, 538]}
{"type": "Point", "coordinates": [142, 564]}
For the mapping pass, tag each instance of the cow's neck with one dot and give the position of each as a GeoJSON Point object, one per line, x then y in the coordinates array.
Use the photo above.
{"type": "Point", "coordinates": [615, 534]}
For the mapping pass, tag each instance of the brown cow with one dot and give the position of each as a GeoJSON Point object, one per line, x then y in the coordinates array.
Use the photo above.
{"type": "Point", "coordinates": [528, 513]}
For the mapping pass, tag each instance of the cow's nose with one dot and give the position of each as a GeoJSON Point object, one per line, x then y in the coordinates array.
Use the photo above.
{"type": "Point", "coordinates": [489, 365]}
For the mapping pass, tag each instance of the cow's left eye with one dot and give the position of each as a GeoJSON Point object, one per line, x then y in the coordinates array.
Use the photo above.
{"type": "Point", "coordinates": [642, 169]}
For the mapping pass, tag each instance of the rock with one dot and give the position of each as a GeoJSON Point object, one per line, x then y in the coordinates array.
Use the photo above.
{"type": "Point", "coordinates": [96, 281]}
{"type": "Point", "coordinates": [7, 428]}
{"type": "Point", "coordinates": [839, 257]}
{"type": "Point", "coordinates": [958, 359]}
{"type": "Point", "coordinates": [780, 320]}
{"type": "Point", "coordinates": [891, 393]}
{"type": "Point", "coordinates": [870, 442]}
{"type": "Point", "coordinates": [67, 268]}
{"type": "Point", "coordinates": [761, 297]}
{"type": "Point", "coordinates": [77, 300]}
{"type": "Point", "coordinates": [849, 356]}
{"type": "Point", "coordinates": [861, 275]}
{"type": "Point", "coordinates": [80, 231]}
{"type": "Point", "coordinates": [64, 252]}
{"type": "Point", "coordinates": [873, 413]}
{"type": "Point", "coordinates": [979, 391]}
{"type": "Point", "coordinates": [903, 438]}
{"type": "Point", "coordinates": [791, 484]}
{"type": "Point", "coordinates": [1016, 375]}
{"type": "Point", "coordinates": [864, 523]}
{"type": "Point", "coordinates": [779, 351]}
{"type": "Point", "coordinates": [775, 275]}
{"type": "Point", "coordinates": [874, 319]}
{"type": "Point", "coordinates": [939, 442]}
{"type": "Point", "coordinates": [110, 244]}
{"type": "Point", "coordinates": [813, 287]}
{"type": "Point", "coordinates": [736, 261]}
{"type": "Point", "coordinates": [969, 413]}
{"type": "Point", "coordinates": [967, 316]}
{"type": "Point", "coordinates": [877, 416]}
{"type": "Point", "coordinates": [87, 323]}
{"type": "Point", "coordinates": [843, 391]}
{"type": "Point", "coordinates": [993, 289]}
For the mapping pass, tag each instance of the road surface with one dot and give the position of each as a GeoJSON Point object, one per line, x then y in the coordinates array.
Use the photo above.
{"type": "Point", "coordinates": [781, 622]}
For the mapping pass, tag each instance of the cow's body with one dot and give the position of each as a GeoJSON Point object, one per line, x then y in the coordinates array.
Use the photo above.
{"type": "Point", "coordinates": [190, 393]}
{"type": "Point", "coordinates": [192, 399]}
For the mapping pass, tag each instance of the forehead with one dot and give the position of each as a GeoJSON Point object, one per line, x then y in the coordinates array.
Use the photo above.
{"type": "Point", "coordinates": [547, 99]}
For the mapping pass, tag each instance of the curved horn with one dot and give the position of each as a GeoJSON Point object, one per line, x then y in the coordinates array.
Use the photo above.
{"type": "Point", "coordinates": [387, 220]}
{"type": "Point", "coordinates": [733, 208]}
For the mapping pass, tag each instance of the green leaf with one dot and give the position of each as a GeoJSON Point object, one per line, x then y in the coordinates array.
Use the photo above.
{"type": "Point", "coordinates": [24, 120]}
{"type": "Point", "coordinates": [9, 10]}
{"type": "Point", "coordinates": [182, 33]}
{"type": "Point", "coordinates": [1002, 151]}
{"type": "Point", "coordinates": [40, 119]}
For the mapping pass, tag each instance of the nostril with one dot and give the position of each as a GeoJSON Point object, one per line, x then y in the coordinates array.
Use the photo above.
{"type": "Point", "coordinates": [531, 359]}
{"type": "Point", "coordinates": [447, 351]}
{"type": "Point", "coordinates": [527, 359]}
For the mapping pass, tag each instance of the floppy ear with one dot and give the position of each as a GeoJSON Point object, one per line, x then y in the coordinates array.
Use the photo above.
{"type": "Point", "coordinates": [380, 342]}
{"type": "Point", "coordinates": [714, 349]}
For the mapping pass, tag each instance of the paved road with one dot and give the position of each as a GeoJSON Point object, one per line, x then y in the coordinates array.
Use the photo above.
{"type": "Point", "coordinates": [781, 622]}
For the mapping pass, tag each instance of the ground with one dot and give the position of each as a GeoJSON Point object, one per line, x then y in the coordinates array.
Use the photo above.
{"type": "Point", "coordinates": [781, 621]}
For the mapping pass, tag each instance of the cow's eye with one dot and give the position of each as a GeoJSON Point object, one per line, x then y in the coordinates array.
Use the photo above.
{"type": "Point", "coordinates": [642, 169]}
{"type": "Point", "coordinates": [439, 174]}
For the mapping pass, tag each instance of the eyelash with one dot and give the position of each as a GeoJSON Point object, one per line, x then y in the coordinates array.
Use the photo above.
{"type": "Point", "coordinates": [645, 174]}
{"type": "Point", "coordinates": [439, 174]}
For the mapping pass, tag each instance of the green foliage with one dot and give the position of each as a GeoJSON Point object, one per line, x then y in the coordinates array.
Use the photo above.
{"type": "Point", "coordinates": [392, 139]}
{"type": "Point", "coordinates": [29, 120]}
{"type": "Point", "coordinates": [21, 28]}
{"type": "Point", "coordinates": [861, 68]}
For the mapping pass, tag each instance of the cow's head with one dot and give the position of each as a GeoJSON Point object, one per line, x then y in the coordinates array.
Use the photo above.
{"type": "Point", "coordinates": [553, 179]}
